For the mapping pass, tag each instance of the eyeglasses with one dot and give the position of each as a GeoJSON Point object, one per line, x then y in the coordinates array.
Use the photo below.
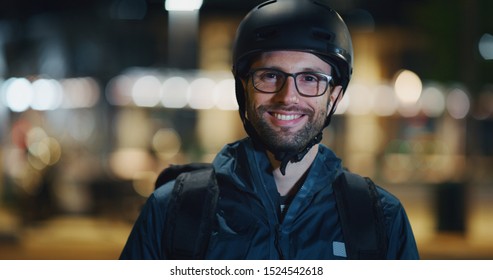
{"type": "Point", "coordinates": [309, 84]}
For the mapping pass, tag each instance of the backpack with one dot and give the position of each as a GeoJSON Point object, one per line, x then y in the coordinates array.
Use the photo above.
{"type": "Point", "coordinates": [195, 193]}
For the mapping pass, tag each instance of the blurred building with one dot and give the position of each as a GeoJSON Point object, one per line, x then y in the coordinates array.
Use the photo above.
{"type": "Point", "coordinates": [96, 97]}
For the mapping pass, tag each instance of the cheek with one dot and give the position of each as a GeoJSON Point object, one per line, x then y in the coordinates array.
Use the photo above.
{"type": "Point", "coordinates": [323, 105]}
{"type": "Point", "coordinates": [252, 103]}
{"type": "Point", "coordinates": [254, 100]}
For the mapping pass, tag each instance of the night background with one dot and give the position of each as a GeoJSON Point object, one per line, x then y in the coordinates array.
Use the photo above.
{"type": "Point", "coordinates": [96, 97]}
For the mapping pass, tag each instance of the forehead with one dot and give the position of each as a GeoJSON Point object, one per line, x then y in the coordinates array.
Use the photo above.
{"type": "Point", "coordinates": [291, 61]}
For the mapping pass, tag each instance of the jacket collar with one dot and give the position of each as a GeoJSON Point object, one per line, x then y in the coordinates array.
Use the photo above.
{"type": "Point", "coordinates": [248, 166]}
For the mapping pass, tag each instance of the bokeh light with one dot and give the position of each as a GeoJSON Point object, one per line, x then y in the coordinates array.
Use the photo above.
{"type": "Point", "coordinates": [485, 46]}
{"type": "Point", "coordinates": [183, 5]}
{"type": "Point", "coordinates": [458, 103]}
{"type": "Point", "coordinates": [175, 92]}
{"type": "Point", "coordinates": [361, 99]}
{"type": "Point", "coordinates": [224, 95]}
{"type": "Point", "coordinates": [146, 91]}
{"type": "Point", "coordinates": [166, 143]}
{"type": "Point", "coordinates": [432, 101]}
{"type": "Point", "coordinates": [384, 101]}
{"type": "Point", "coordinates": [18, 94]}
{"type": "Point", "coordinates": [408, 87]}
{"type": "Point", "coordinates": [201, 94]}
{"type": "Point", "coordinates": [126, 163]}
{"type": "Point", "coordinates": [117, 92]}
{"type": "Point", "coordinates": [47, 95]}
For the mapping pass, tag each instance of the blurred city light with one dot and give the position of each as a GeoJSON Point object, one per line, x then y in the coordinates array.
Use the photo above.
{"type": "Point", "coordinates": [361, 99]}
{"type": "Point", "coordinates": [432, 101]}
{"type": "Point", "coordinates": [126, 163]}
{"type": "Point", "coordinates": [43, 150]}
{"type": "Point", "coordinates": [409, 110]}
{"type": "Point", "coordinates": [166, 143]}
{"type": "Point", "coordinates": [174, 92]}
{"type": "Point", "coordinates": [224, 95]}
{"type": "Point", "coordinates": [47, 95]}
{"type": "Point", "coordinates": [485, 46]}
{"type": "Point", "coordinates": [209, 90]}
{"type": "Point", "coordinates": [384, 101]}
{"type": "Point", "coordinates": [183, 5]}
{"type": "Point", "coordinates": [146, 92]}
{"type": "Point", "coordinates": [408, 87]}
{"type": "Point", "coordinates": [458, 103]}
{"type": "Point", "coordinates": [80, 93]}
{"type": "Point", "coordinates": [201, 93]}
{"type": "Point", "coordinates": [117, 92]}
{"type": "Point", "coordinates": [18, 94]}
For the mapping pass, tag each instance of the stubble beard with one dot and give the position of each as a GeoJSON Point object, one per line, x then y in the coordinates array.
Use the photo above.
{"type": "Point", "coordinates": [284, 138]}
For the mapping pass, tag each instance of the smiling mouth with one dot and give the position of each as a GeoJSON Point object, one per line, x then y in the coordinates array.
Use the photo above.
{"type": "Point", "coordinates": [284, 117]}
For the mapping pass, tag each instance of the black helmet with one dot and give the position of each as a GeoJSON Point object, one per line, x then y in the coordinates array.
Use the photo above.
{"type": "Point", "coordinates": [298, 25]}
{"type": "Point", "coordinates": [302, 25]}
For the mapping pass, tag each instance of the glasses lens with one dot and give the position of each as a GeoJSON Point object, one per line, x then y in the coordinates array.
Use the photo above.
{"type": "Point", "coordinates": [311, 84]}
{"type": "Point", "coordinates": [268, 80]}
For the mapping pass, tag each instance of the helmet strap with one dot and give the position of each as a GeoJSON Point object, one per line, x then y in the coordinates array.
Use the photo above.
{"type": "Point", "coordinates": [334, 107]}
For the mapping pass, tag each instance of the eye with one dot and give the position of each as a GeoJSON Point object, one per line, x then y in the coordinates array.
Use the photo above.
{"type": "Point", "coordinates": [269, 75]}
{"type": "Point", "coordinates": [309, 77]}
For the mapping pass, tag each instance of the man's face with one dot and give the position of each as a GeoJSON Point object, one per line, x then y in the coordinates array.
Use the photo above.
{"type": "Point", "coordinates": [286, 120]}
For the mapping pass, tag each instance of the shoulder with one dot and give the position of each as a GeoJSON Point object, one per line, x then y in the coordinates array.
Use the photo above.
{"type": "Point", "coordinates": [145, 239]}
{"type": "Point", "coordinates": [401, 241]}
{"type": "Point", "coordinates": [388, 200]}
{"type": "Point", "coordinates": [233, 150]}
{"type": "Point", "coordinates": [396, 219]}
{"type": "Point", "coordinates": [161, 196]}
{"type": "Point", "coordinates": [391, 205]}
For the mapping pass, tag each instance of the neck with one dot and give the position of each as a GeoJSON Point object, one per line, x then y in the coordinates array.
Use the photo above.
{"type": "Point", "coordinates": [295, 172]}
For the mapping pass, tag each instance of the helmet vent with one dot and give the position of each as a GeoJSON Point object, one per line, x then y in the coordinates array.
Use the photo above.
{"type": "Point", "coordinates": [265, 4]}
{"type": "Point", "coordinates": [266, 33]}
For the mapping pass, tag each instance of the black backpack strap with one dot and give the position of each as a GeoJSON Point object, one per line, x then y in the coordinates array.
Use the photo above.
{"type": "Point", "coordinates": [361, 217]}
{"type": "Point", "coordinates": [171, 173]}
{"type": "Point", "coordinates": [190, 212]}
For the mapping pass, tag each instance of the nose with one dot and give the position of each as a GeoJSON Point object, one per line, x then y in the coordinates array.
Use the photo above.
{"type": "Point", "coordinates": [288, 93]}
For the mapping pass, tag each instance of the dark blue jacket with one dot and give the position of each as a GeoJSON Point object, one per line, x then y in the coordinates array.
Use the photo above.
{"type": "Point", "coordinates": [248, 214]}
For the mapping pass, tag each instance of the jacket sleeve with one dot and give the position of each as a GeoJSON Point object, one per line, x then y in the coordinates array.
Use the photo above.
{"type": "Point", "coordinates": [402, 245]}
{"type": "Point", "coordinates": [145, 239]}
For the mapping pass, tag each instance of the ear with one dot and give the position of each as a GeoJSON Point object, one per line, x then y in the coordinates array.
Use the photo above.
{"type": "Point", "coordinates": [334, 98]}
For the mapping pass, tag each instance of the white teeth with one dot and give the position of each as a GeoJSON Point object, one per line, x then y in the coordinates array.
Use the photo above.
{"type": "Point", "coordinates": [286, 117]}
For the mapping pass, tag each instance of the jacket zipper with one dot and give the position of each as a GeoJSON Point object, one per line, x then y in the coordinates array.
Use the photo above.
{"type": "Point", "coordinates": [277, 244]}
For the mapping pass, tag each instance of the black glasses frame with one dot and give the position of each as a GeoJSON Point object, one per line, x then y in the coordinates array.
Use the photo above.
{"type": "Point", "coordinates": [330, 80]}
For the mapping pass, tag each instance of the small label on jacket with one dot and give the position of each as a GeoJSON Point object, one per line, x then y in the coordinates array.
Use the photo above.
{"type": "Point", "coordinates": [339, 249]}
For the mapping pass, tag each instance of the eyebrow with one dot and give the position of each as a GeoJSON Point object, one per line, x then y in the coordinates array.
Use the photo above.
{"type": "Point", "coordinates": [304, 69]}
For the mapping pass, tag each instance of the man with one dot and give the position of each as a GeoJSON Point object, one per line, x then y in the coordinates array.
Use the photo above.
{"type": "Point", "coordinates": [292, 63]}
